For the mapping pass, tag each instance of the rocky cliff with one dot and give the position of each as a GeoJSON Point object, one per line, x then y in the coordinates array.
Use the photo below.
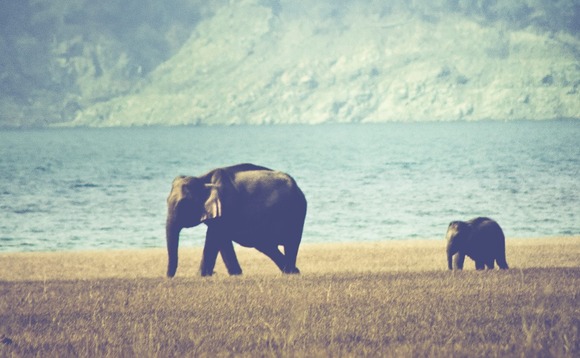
{"type": "Point", "coordinates": [267, 62]}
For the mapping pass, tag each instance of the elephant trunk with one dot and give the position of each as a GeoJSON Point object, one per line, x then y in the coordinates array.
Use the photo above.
{"type": "Point", "coordinates": [172, 231]}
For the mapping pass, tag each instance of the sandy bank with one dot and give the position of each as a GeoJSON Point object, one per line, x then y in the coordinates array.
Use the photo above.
{"type": "Point", "coordinates": [412, 255]}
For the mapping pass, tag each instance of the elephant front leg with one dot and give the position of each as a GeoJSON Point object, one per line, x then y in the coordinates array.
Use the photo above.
{"type": "Point", "coordinates": [230, 258]}
{"type": "Point", "coordinates": [210, 251]}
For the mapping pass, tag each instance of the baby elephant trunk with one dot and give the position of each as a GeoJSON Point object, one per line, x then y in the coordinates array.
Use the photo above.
{"type": "Point", "coordinates": [449, 260]}
{"type": "Point", "coordinates": [451, 250]}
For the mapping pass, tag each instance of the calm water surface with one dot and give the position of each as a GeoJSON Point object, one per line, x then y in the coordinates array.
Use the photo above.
{"type": "Point", "coordinates": [72, 189]}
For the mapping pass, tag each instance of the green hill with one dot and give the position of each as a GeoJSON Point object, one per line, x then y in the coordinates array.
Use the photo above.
{"type": "Point", "coordinates": [126, 63]}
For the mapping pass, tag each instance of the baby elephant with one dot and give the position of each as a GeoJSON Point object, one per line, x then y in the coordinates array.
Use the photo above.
{"type": "Point", "coordinates": [481, 239]}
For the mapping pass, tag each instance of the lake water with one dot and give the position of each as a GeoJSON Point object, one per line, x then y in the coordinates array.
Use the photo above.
{"type": "Point", "coordinates": [77, 189]}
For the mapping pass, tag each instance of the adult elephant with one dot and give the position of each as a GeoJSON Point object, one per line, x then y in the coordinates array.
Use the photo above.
{"type": "Point", "coordinates": [249, 204]}
{"type": "Point", "coordinates": [482, 239]}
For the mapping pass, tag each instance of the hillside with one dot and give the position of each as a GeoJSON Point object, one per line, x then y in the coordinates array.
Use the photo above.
{"type": "Point", "coordinates": [263, 62]}
{"type": "Point", "coordinates": [60, 57]}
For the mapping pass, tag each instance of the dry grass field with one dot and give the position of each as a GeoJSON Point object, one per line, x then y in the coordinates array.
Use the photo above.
{"type": "Point", "coordinates": [372, 299]}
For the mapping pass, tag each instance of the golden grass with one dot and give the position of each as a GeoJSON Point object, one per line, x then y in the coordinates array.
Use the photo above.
{"type": "Point", "coordinates": [372, 299]}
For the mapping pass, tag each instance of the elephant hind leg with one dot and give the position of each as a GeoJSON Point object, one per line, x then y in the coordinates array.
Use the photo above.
{"type": "Point", "coordinates": [502, 263]}
{"type": "Point", "coordinates": [290, 253]}
{"type": "Point", "coordinates": [208, 259]}
{"type": "Point", "coordinates": [274, 254]}
{"type": "Point", "coordinates": [291, 240]}
{"type": "Point", "coordinates": [479, 265]}
{"type": "Point", "coordinates": [490, 265]}
{"type": "Point", "coordinates": [501, 260]}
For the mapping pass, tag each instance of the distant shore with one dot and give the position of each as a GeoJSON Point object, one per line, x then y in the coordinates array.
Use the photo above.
{"type": "Point", "coordinates": [384, 256]}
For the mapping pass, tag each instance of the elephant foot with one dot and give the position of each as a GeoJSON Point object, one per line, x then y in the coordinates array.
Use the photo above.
{"type": "Point", "coordinates": [291, 271]}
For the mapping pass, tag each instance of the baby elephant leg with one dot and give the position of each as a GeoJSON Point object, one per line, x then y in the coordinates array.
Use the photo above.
{"type": "Point", "coordinates": [490, 264]}
{"type": "Point", "coordinates": [502, 263]}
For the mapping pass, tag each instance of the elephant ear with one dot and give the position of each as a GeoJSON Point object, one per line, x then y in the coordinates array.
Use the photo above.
{"type": "Point", "coordinates": [218, 189]}
{"type": "Point", "coordinates": [213, 204]}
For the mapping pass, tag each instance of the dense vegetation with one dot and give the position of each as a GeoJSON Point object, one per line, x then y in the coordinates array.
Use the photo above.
{"type": "Point", "coordinates": [65, 60]}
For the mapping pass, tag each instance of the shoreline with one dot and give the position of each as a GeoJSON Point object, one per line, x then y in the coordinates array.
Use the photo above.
{"type": "Point", "coordinates": [313, 258]}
